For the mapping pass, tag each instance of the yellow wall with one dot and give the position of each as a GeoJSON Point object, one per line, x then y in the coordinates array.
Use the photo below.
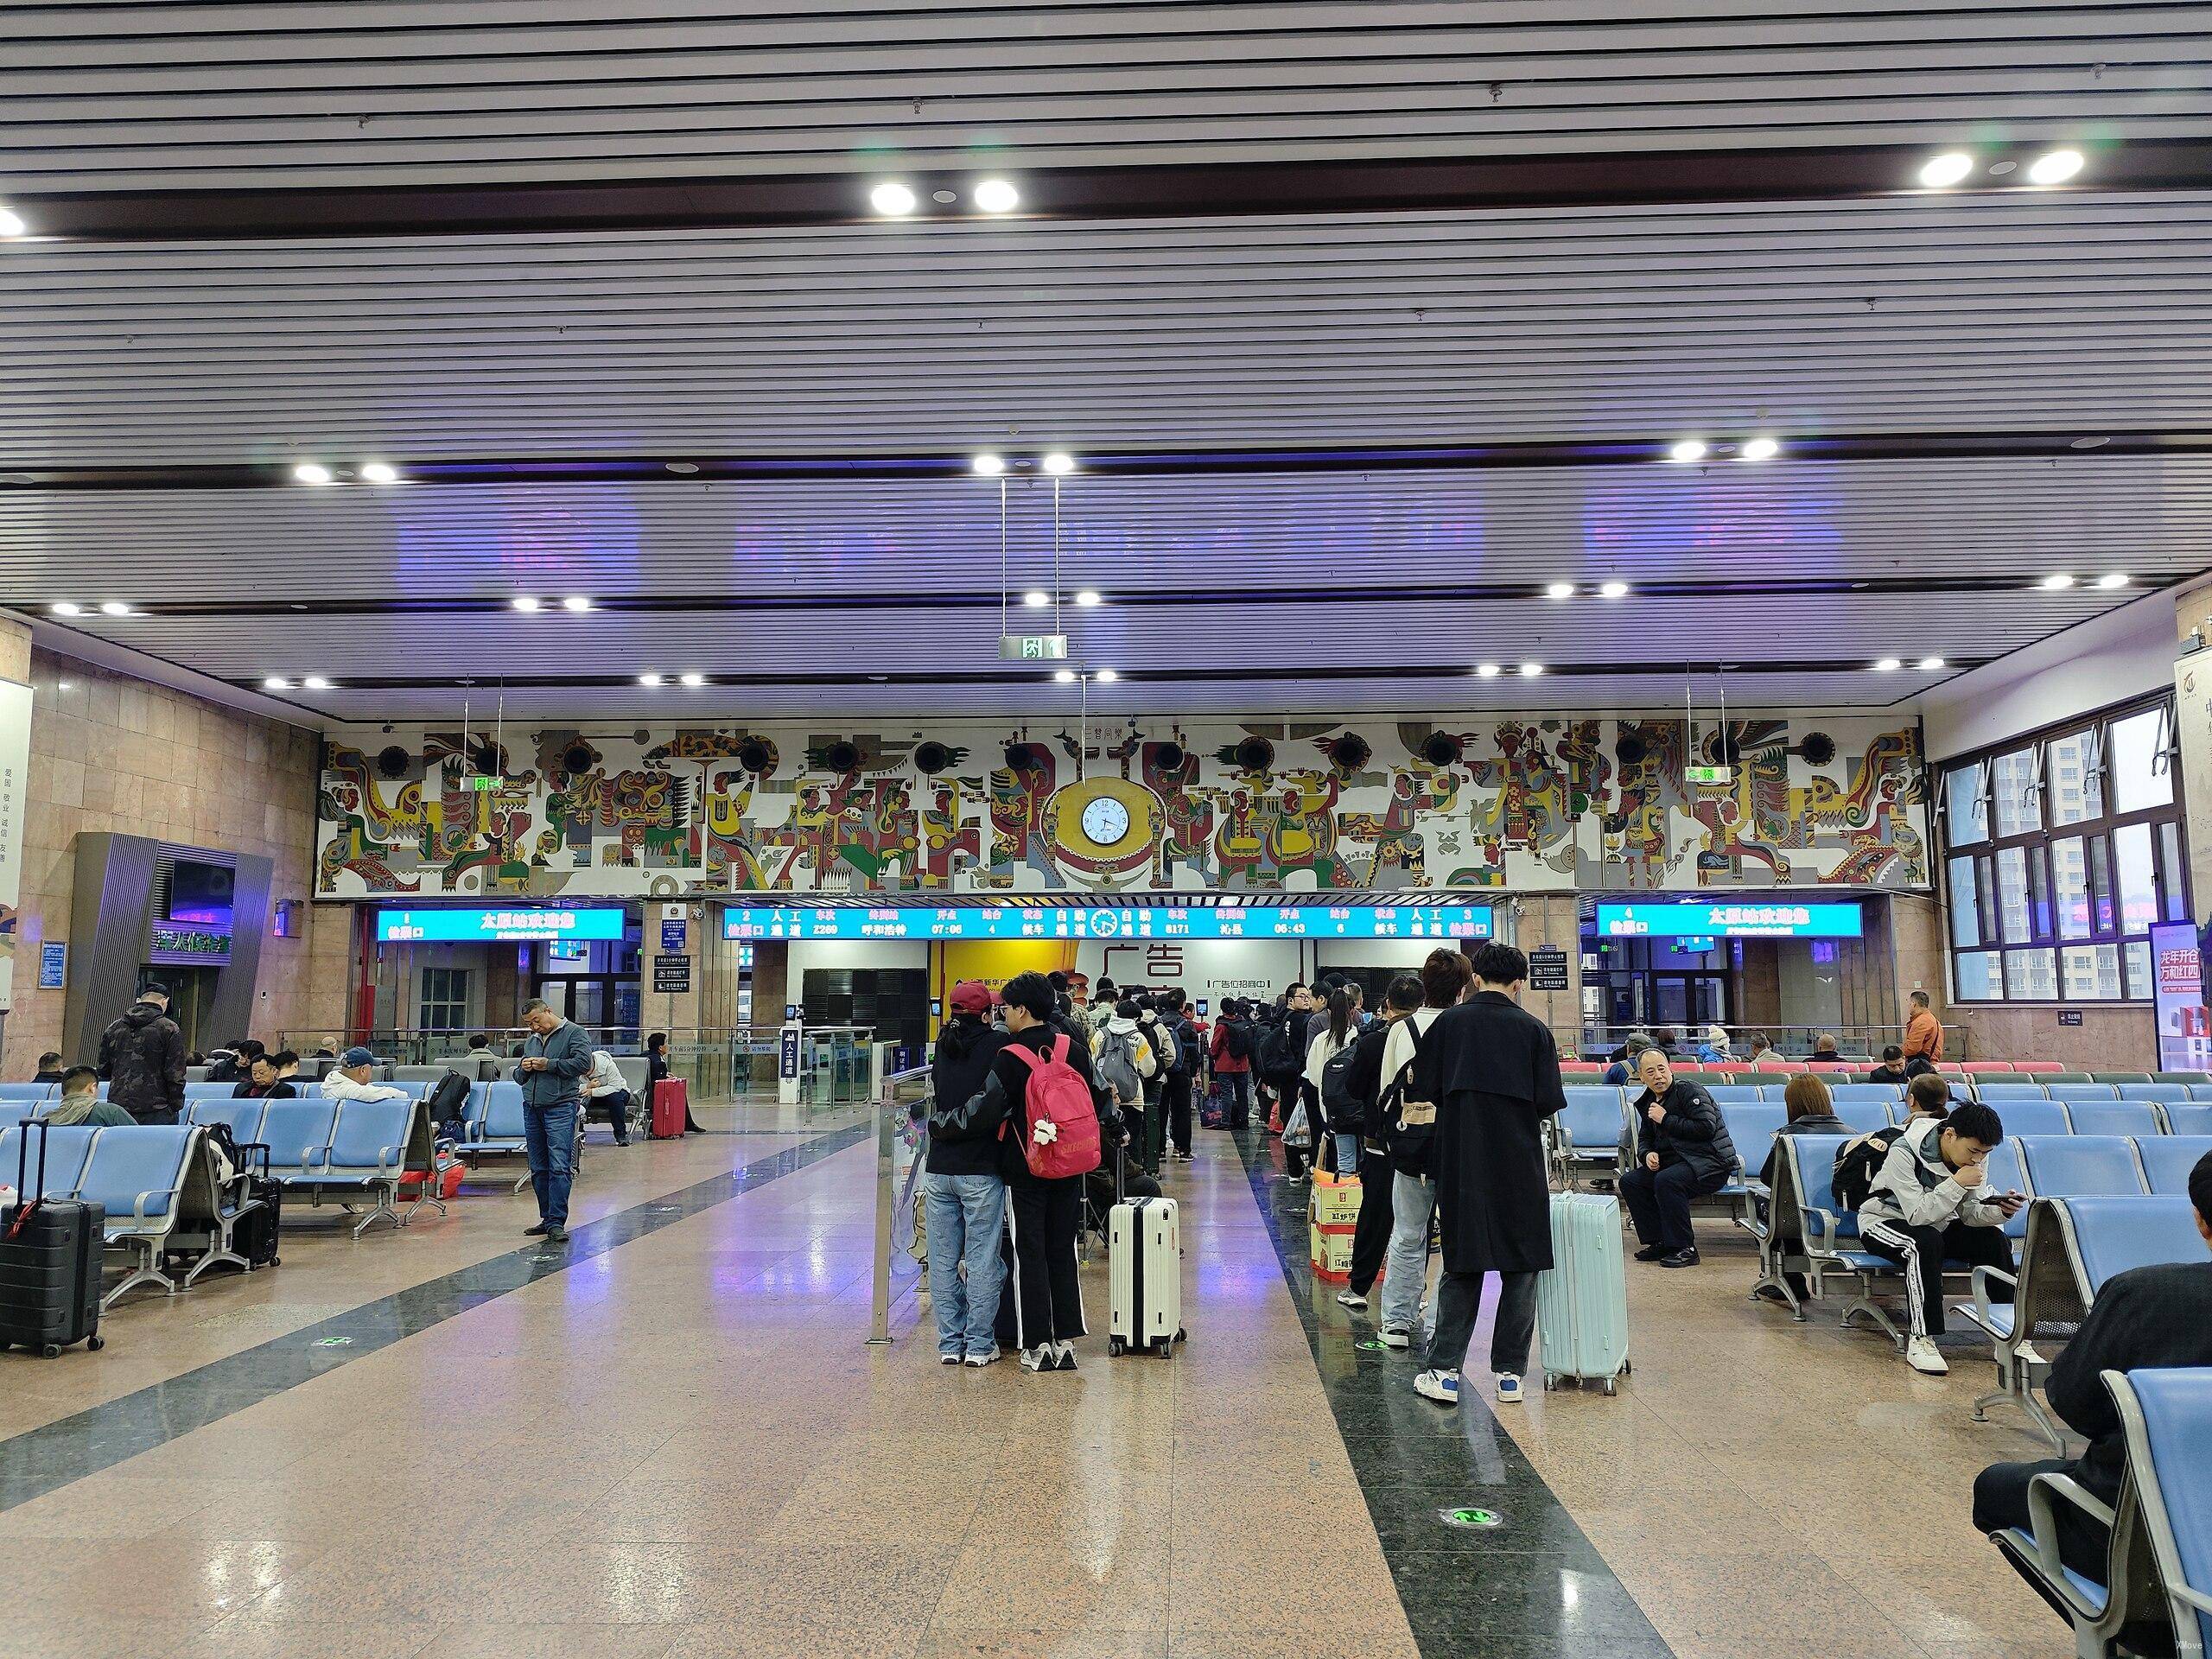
{"type": "Point", "coordinates": [994, 962]}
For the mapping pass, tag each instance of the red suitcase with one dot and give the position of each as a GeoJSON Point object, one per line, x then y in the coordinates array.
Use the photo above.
{"type": "Point", "coordinates": [671, 1105]}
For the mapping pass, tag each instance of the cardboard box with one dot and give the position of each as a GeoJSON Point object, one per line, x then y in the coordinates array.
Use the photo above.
{"type": "Point", "coordinates": [1335, 1201]}
{"type": "Point", "coordinates": [1331, 1252]}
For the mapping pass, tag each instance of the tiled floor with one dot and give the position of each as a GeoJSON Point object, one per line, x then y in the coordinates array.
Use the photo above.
{"type": "Point", "coordinates": [680, 1446]}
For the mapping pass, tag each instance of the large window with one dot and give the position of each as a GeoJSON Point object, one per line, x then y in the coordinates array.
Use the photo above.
{"type": "Point", "coordinates": [2061, 851]}
{"type": "Point", "coordinates": [445, 999]}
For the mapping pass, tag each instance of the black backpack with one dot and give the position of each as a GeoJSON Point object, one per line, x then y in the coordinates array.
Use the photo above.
{"type": "Point", "coordinates": [1236, 1038]}
{"type": "Point", "coordinates": [1858, 1164]}
{"type": "Point", "coordinates": [1342, 1108]}
{"type": "Point", "coordinates": [1279, 1050]}
{"type": "Point", "coordinates": [448, 1104]}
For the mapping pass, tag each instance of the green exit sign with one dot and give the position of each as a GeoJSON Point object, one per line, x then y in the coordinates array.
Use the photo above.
{"type": "Point", "coordinates": [1710, 775]}
{"type": "Point", "coordinates": [483, 785]}
{"type": "Point", "coordinates": [1034, 647]}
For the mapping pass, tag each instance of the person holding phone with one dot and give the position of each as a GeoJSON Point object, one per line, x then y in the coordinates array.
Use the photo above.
{"type": "Point", "coordinates": [1931, 1202]}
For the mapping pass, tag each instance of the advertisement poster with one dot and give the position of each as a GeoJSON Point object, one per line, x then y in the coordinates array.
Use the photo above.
{"type": "Point", "coordinates": [14, 769]}
{"type": "Point", "coordinates": [2185, 1034]}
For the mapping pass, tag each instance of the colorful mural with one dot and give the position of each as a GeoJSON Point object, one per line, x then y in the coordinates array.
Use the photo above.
{"type": "Point", "coordinates": [1526, 804]}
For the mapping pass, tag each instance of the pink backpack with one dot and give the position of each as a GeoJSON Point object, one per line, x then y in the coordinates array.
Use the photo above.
{"type": "Point", "coordinates": [1058, 1092]}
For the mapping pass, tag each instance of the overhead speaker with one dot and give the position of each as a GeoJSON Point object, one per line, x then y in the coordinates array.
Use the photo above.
{"type": "Point", "coordinates": [932, 757]}
{"type": "Point", "coordinates": [842, 756]}
{"type": "Point", "coordinates": [577, 758]}
{"type": "Point", "coordinates": [484, 758]}
{"type": "Point", "coordinates": [1350, 752]}
{"type": "Point", "coordinates": [752, 755]}
{"type": "Point", "coordinates": [1170, 757]}
{"type": "Point", "coordinates": [393, 761]}
{"type": "Point", "coordinates": [1630, 750]}
{"type": "Point", "coordinates": [1818, 748]}
{"type": "Point", "coordinates": [1255, 754]}
{"type": "Point", "coordinates": [1019, 756]}
{"type": "Point", "coordinates": [1726, 751]}
{"type": "Point", "coordinates": [1441, 749]}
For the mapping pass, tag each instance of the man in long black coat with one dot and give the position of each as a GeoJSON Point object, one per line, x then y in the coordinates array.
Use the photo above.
{"type": "Point", "coordinates": [1492, 1069]}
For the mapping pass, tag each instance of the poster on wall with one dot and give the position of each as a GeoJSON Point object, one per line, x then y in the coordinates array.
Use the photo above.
{"type": "Point", "coordinates": [2178, 972]}
{"type": "Point", "coordinates": [1055, 805]}
{"type": "Point", "coordinates": [14, 768]}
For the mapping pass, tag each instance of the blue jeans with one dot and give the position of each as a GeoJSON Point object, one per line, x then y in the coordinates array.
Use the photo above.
{"type": "Point", "coordinates": [1405, 1281]}
{"type": "Point", "coordinates": [1347, 1151]}
{"type": "Point", "coordinates": [548, 1134]}
{"type": "Point", "coordinates": [966, 1218]}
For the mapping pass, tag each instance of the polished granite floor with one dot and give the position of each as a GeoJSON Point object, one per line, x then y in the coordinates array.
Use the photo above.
{"type": "Point", "coordinates": [672, 1441]}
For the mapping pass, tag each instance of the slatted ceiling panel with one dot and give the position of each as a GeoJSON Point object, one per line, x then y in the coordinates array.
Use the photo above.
{"type": "Point", "coordinates": [1894, 316]}
{"type": "Point", "coordinates": [391, 91]}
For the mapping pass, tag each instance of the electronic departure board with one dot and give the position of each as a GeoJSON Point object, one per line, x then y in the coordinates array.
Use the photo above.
{"type": "Point", "coordinates": [1760, 918]}
{"type": "Point", "coordinates": [1107, 922]}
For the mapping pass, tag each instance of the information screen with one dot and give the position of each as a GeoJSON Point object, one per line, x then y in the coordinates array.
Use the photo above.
{"type": "Point", "coordinates": [464, 924]}
{"type": "Point", "coordinates": [1744, 919]}
{"type": "Point", "coordinates": [1080, 922]}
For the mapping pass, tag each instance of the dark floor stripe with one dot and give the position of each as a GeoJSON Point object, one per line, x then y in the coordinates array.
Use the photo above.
{"type": "Point", "coordinates": [1534, 1587]}
{"type": "Point", "coordinates": [41, 1459]}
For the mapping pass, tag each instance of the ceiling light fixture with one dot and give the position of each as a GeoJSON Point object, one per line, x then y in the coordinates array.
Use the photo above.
{"type": "Point", "coordinates": [316, 683]}
{"type": "Point", "coordinates": [695, 681]}
{"type": "Point", "coordinates": [64, 608]}
{"type": "Point", "coordinates": [575, 602]}
{"type": "Point", "coordinates": [2112, 579]}
{"type": "Point", "coordinates": [1087, 598]}
{"type": "Point", "coordinates": [681, 468]}
{"type": "Point", "coordinates": [997, 196]}
{"type": "Point", "coordinates": [1930, 664]}
{"type": "Point", "coordinates": [1059, 463]}
{"type": "Point", "coordinates": [1941, 172]}
{"type": "Point", "coordinates": [2054, 167]}
{"type": "Point", "coordinates": [1036, 599]}
{"type": "Point", "coordinates": [649, 679]}
{"type": "Point", "coordinates": [379, 472]}
{"type": "Point", "coordinates": [11, 222]}
{"type": "Point", "coordinates": [524, 602]}
{"type": "Point", "coordinates": [1530, 671]}
{"type": "Point", "coordinates": [1612, 590]}
{"type": "Point", "coordinates": [1064, 675]}
{"type": "Point", "coordinates": [1559, 590]}
{"type": "Point", "coordinates": [988, 466]}
{"type": "Point", "coordinates": [276, 683]}
{"type": "Point", "coordinates": [311, 472]}
{"type": "Point", "coordinates": [892, 198]}
{"type": "Point", "coordinates": [2055, 581]}
{"type": "Point", "coordinates": [1486, 670]}
{"type": "Point", "coordinates": [1688, 449]}
{"type": "Point", "coordinates": [1888, 665]}
{"type": "Point", "coordinates": [1105, 677]}
{"type": "Point", "coordinates": [114, 607]}
{"type": "Point", "coordinates": [1760, 449]}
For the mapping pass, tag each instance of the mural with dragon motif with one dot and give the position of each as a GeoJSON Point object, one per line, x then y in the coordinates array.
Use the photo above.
{"type": "Point", "coordinates": [1561, 803]}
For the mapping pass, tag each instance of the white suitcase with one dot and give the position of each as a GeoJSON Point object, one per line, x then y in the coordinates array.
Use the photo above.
{"type": "Point", "coordinates": [1144, 1277]}
{"type": "Point", "coordinates": [1582, 1300]}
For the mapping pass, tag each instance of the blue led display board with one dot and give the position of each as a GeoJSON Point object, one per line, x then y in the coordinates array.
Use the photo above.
{"type": "Point", "coordinates": [1746, 919]}
{"type": "Point", "coordinates": [470, 924]}
{"type": "Point", "coordinates": [1107, 922]}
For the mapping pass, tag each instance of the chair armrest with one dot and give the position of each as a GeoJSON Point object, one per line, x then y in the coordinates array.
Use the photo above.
{"type": "Point", "coordinates": [1821, 1227]}
{"type": "Point", "coordinates": [1982, 1278]}
{"type": "Point", "coordinates": [2196, 1598]}
{"type": "Point", "coordinates": [138, 1208]}
{"type": "Point", "coordinates": [2044, 1521]}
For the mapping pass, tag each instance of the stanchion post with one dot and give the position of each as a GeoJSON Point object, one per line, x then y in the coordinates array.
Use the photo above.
{"type": "Point", "coordinates": [878, 1333]}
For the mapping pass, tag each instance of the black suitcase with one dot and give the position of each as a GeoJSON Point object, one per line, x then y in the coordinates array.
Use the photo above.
{"type": "Point", "coordinates": [254, 1235]}
{"type": "Point", "coordinates": [49, 1264]}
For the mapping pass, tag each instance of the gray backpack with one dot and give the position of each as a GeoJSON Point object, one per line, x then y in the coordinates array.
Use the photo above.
{"type": "Point", "coordinates": [1116, 1064]}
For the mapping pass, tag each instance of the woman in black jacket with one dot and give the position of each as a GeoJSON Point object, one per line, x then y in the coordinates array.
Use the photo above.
{"type": "Point", "coordinates": [964, 1197]}
{"type": "Point", "coordinates": [1682, 1151]}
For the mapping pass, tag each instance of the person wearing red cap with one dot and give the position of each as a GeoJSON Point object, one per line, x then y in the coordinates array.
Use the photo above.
{"type": "Point", "coordinates": [962, 1193]}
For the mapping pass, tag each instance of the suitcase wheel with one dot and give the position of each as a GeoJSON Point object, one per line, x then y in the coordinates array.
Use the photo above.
{"type": "Point", "coordinates": [1116, 1347]}
{"type": "Point", "coordinates": [93, 1344]}
{"type": "Point", "coordinates": [1550, 1382]}
{"type": "Point", "coordinates": [51, 1350]}
{"type": "Point", "coordinates": [1610, 1388]}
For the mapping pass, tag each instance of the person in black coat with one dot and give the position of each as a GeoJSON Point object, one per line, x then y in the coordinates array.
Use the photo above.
{"type": "Point", "coordinates": [1492, 1069]}
{"type": "Point", "coordinates": [1682, 1151]}
{"type": "Point", "coordinates": [962, 1193]}
{"type": "Point", "coordinates": [141, 1059]}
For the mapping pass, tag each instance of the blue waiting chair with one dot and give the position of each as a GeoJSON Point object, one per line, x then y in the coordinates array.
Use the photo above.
{"type": "Point", "coordinates": [13, 1112]}
{"type": "Point", "coordinates": [1996, 1094]}
{"type": "Point", "coordinates": [241, 1117]}
{"type": "Point", "coordinates": [1590, 1129]}
{"type": "Point", "coordinates": [2154, 1091]}
{"type": "Point", "coordinates": [2130, 1117]}
{"type": "Point", "coordinates": [1736, 1094]}
{"type": "Point", "coordinates": [2080, 1166]}
{"type": "Point", "coordinates": [2085, 1091]}
{"type": "Point", "coordinates": [29, 1091]}
{"type": "Point", "coordinates": [494, 1122]}
{"type": "Point", "coordinates": [2167, 1160]}
{"type": "Point", "coordinates": [1865, 1117]}
{"type": "Point", "coordinates": [2193, 1119]}
{"type": "Point", "coordinates": [2034, 1117]}
{"type": "Point", "coordinates": [1752, 1126]}
{"type": "Point", "coordinates": [1888, 1093]}
{"type": "Point", "coordinates": [1803, 1212]}
{"type": "Point", "coordinates": [66, 1149]}
{"type": "Point", "coordinates": [368, 1150]}
{"type": "Point", "coordinates": [137, 1176]}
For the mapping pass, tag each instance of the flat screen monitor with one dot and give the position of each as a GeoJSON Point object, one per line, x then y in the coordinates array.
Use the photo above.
{"type": "Point", "coordinates": [201, 893]}
{"type": "Point", "coordinates": [1316, 921]}
{"type": "Point", "coordinates": [1734, 918]}
{"type": "Point", "coordinates": [468, 923]}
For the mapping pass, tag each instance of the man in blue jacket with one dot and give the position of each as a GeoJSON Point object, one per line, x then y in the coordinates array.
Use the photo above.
{"type": "Point", "coordinates": [554, 1058]}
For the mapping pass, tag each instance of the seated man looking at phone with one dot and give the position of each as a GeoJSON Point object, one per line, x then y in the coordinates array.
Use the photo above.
{"type": "Point", "coordinates": [1932, 1202]}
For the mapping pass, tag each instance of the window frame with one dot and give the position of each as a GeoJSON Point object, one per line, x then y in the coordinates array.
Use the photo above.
{"type": "Point", "coordinates": [2168, 832]}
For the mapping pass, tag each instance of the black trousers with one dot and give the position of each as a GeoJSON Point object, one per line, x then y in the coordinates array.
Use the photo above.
{"type": "Point", "coordinates": [1659, 1203]}
{"type": "Point", "coordinates": [611, 1108]}
{"type": "Point", "coordinates": [1043, 1302]}
{"type": "Point", "coordinates": [1237, 1088]}
{"type": "Point", "coordinates": [1920, 1251]}
{"type": "Point", "coordinates": [1175, 1099]}
{"type": "Point", "coordinates": [2000, 1500]}
{"type": "Point", "coordinates": [1370, 1239]}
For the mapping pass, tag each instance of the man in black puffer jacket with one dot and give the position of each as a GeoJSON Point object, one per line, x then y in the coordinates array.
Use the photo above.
{"type": "Point", "coordinates": [141, 1059]}
{"type": "Point", "coordinates": [1682, 1151]}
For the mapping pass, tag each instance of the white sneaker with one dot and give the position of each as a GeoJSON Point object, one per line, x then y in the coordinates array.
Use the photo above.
{"type": "Point", "coordinates": [947, 1359]}
{"type": "Point", "coordinates": [1393, 1338]}
{"type": "Point", "coordinates": [979, 1361]}
{"type": "Point", "coordinates": [1443, 1387]}
{"type": "Point", "coordinates": [1509, 1388]}
{"type": "Point", "coordinates": [1352, 1298]}
{"type": "Point", "coordinates": [1040, 1359]}
{"type": "Point", "coordinates": [1920, 1354]}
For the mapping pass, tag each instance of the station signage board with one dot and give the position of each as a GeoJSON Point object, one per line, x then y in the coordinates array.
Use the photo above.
{"type": "Point", "coordinates": [479, 923]}
{"type": "Point", "coordinates": [1764, 918]}
{"type": "Point", "coordinates": [1109, 922]}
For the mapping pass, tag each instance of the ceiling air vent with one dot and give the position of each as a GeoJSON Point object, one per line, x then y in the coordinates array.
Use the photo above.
{"type": "Point", "coordinates": [394, 762]}
{"type": "Point", "coordinates": [932, 757]}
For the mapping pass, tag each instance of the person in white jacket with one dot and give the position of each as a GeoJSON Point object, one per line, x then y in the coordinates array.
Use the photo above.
{"type": "Point", "coordinates": [349, 1079]}
{"type": "Point", "coordinates": [1932, 1202]}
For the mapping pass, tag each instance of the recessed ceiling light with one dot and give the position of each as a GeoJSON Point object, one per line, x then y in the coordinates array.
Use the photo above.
{"type": "Point", "coordinates": [1888, 665]}
{"type": "Point", "coordinates": [1930, 664]}
{"type": "Point", "coordinates": [575, 602]}
{"type": "Point", "coordinates": [316, 683]}
{"type": "Point", "coordinates": [114, 607]}
{"type": "Point", "coordinates": [2088, 443]}
{"type": "Point", "coordinates": [2054, 581]}
{"type": "Point", "coordinates": [988, 466]}
{"type": "Point", "coordinates": [1036, 599]}
{"type": "Point", "coordinates": [1064, 675]}
{"type": "Point", "coordinates": [1612, 590]}
{"type": "Point", "coordinates": [11, 222]}
{"type": "Point", "coordinates": [649, 679]}
{"type": "Point", "coordinates": [1530, 671]}
{"type": "Point", "coordinates": [2112, 579]}
{"type": "Point", "coordinates": [1060, 462]}
{"type": "Point", "coordinates": [1486, 670]}
{"type": "Point", "coordinates": [1087, 598]}
{"type": "Point", "coordinates": [682, 468]}
{"type": "Point", "coordinates": [64, 608]}
{"type": "Point", "coordinates": [311, 472]}
{"type": "Point", "coordinates": [997, 196]}
{"type": "Point", "coordinates": [1760, 449]}
{"type": "Point", "coordinates": [1105, 677]}
{"type": "Point", "coordinates": [525, 602]}
{"type": "Point", "coordinates": [1688, 449]}
{"type": "Point", "coordinates": [892, 197]}
{"type": "Point", "coordinates": [1559, 590]}
{"type": "Point", "coordinates": [693, 680]}
{"type": "Point", "coordinates": [2054, 167]}
{"type": "Point", "coordinates": [276, 683]}
{"type": "Point", "coordinates": [948, 197]}
{"type": "Point", "coordinates": [379, 472]}
{"type": "Point", "coordinates": [1941, 172]}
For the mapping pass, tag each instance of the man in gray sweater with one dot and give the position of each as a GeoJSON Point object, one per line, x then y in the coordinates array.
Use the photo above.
{"type": "Point", "coordinates": [554, 1058]}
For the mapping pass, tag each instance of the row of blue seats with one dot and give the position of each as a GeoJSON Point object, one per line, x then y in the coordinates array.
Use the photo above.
{"type": "Point", "coordinates": [320, 1146]}
{"type": "Point", "coordinates": [1753, 1127]}
{"type": "Point", "coordinates": [303, 1086]}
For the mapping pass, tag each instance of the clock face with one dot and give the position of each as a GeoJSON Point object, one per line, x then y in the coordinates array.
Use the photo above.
{"type": "Point", "coordinates": [1105, 821]}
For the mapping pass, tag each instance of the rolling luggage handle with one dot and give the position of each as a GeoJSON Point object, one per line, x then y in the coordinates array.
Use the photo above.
{"type": "Point", "coordinates": [28, 1198]}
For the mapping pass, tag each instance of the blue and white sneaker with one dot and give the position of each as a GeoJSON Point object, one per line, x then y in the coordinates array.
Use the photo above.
{"type": "Point", "coordinates": [1443, 1387]}
{"type": "Point", "coordinates": [1509, 1388]}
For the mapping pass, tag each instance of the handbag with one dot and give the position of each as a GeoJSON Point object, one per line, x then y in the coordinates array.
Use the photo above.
{"type": "Point", "coordinates": [1297, 1132]}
